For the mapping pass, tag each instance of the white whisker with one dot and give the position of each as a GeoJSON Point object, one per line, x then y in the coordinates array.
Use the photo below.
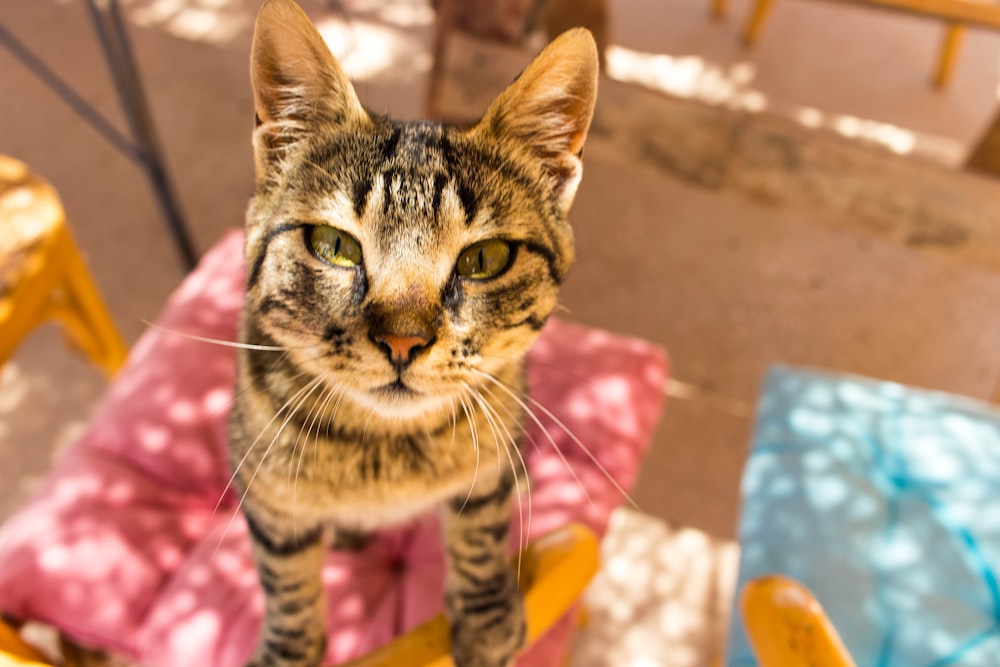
{"type": "Point", "coordinates": [333, 416]}
{"type": "Point", "coordinates": [304, 426]}
{"type": "Point", "coordinates": [299, 396]}
{"type": "Point", "coordinates": [216, 341]}
{"type": "Point", "coordinates": [454, 427]}
{"type": "Point", "coordinates": [313, 419]}
{"type": "Point", "coordinates": [475, 446]}
{"type": "Point", "coordinates": [586, 450]}
{"type": "Point", "coordinates": [548, 436]}
{"type": "Point", "coordinates": [526, 531]}
{"type": "Point", "coordinates": [312, 385]}
{"type": "Point", "coordinates": [246, 455]}
{"type": "Point", "coordinates": [496, 423]}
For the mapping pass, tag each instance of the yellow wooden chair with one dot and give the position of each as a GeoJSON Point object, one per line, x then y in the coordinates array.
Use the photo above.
{"type": "Point", "coordinates": [787, 627]}
{"type": "Point", "coordinates": [42, 274]}
{"type": "Point", "coordinates": [554, 571]}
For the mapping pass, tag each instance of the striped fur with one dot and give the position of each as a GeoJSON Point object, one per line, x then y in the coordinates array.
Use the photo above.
{"type": "Point", "coordinates": [335, 433]}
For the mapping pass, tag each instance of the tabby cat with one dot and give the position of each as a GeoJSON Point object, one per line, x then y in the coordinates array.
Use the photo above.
{"type": "Point", "coordinates": [403, 270]}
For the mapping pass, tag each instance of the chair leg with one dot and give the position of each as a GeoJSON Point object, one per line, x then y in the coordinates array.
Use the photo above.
{"type": "Point", "coordinates": [949, 53]}
{"type": "Point", "coordinates": [758, 16]}
{"type": "Point", "coordinates": [78, 306]}
{"type": "Point", "coordinates": [985, 157]}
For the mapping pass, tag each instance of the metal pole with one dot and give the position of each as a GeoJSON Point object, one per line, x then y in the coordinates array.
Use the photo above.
{"type": "Point", "coordinates": [118, 53]}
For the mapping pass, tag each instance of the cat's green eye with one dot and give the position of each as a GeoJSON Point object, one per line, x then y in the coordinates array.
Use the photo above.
{"type": "Point", "coordinates": [334, 246]}
{"type": "Point", "coordinates": [483, 260]}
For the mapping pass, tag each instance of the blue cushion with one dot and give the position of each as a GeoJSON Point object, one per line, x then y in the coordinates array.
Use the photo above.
{"type": "Point", "coordinates": [885, 501]}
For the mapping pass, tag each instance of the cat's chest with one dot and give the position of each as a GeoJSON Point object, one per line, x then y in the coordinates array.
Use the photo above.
{"type": "Point", "coordinates": [374, 480]}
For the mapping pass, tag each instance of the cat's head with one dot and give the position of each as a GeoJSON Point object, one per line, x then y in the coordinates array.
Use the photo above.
{"type": "Point", "coordinates": [401, 261]}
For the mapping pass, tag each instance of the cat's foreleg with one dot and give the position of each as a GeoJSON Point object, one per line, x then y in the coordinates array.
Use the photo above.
{"type": "Point", "coordinates": [482, 600]}
{"type": "Point", "coordinates": [289, 559]}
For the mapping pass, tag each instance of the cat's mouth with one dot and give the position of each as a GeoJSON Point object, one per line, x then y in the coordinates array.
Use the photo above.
{"type": "Point", "coordinates": [395, 390]}
{"type": "Point", "coordinates": [399, 400]}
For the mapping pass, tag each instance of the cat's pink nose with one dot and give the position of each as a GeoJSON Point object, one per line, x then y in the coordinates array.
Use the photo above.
{"type": "Point", "coordinates": [401, 347]}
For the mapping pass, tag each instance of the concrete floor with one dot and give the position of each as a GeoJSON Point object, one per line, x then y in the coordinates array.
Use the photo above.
{"type": "Point", "coordinates": [726, 284]}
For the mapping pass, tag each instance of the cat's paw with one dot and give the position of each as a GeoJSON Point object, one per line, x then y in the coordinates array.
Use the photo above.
{"type": "Point", "coordinates": [487, 626]}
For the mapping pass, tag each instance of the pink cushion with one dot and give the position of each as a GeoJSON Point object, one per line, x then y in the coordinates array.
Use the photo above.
{"type": "Point", "coordinates": [126, 544]}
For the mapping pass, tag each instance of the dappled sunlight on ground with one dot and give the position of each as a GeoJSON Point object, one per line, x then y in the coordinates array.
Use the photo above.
{"type": "Point", "coordinates": [403, 13]}
{"type": "Point", "coordinates": [699, 79]}
{"type": "Point", "coordinates": [211, 21]}
{"type": "Point", "coordinates": [382, 44]}
{"type": "Point", "coordinates": [690, 77]}
{"type": "Point", "coordinates": [370, 50]}
{"type": "Point", "coordinates": [372, 38]}
{"type": "Point", "coordinates": [661, 598]}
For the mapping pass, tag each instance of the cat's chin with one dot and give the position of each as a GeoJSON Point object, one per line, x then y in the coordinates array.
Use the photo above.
{"type": "Point", "coordinates": [396, 401]}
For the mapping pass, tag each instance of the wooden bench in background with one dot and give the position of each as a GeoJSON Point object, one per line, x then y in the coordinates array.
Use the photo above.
{"type": "Point", "coordinates": [957, 14]}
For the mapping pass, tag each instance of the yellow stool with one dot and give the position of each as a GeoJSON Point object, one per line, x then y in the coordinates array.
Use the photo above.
{"type": "Point", "coordinates": [42, 275]}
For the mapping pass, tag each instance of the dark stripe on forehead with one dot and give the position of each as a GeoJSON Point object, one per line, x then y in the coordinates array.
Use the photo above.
{"type": "Point", "coordinates": [258, 260]}
{"type": "Point", "coordinates": [469, 203]}
{"type": "Point", "coordinates": [440, 181]}
{"type": "Point", "coordinates": [362, 187]}
{"type": "Point", "coordinates": [364, 180]}
{"type": "Point", "coordinates": [460, 170]}
{"type": "Point", "coordinates": [391, 145]}
{"type": "Point", "coordinates": [387, 178]}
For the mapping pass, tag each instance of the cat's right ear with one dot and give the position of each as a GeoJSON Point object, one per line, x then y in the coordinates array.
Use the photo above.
{"type": "Point", "coordinates": [297, 83]}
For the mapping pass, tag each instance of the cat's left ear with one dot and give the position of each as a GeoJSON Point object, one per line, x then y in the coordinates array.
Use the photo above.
{"type": "Point", "coordinates": [297, 83]}
{"type": "Point", "coordinates": [548, 109]}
